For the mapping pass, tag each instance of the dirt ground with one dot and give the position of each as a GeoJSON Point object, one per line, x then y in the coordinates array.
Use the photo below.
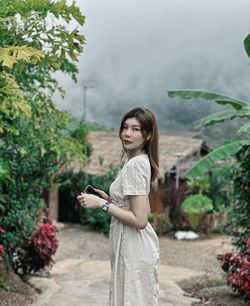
{"type": "Point", "coordinates": [198, 255]}
{"type": "Point", "coordinates": [14, 292]}
{"type": "Point", "coordinates": [185, 257]}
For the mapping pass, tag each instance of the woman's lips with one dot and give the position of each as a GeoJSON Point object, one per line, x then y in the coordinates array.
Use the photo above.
{"type": "Point", "coordinates": [127, 142]}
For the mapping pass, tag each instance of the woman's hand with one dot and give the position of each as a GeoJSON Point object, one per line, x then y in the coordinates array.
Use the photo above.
{"type": "Point", "coordinates": [89, 200]}
{"type": "Point", "coordinates": [102, 194]}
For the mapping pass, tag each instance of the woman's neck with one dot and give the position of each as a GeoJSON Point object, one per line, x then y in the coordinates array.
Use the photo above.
{"type": "Point", "coordinates": [132, 154]}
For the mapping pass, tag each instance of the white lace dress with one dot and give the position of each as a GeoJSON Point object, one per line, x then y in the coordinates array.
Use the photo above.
{"type": "Point", "coordinates": [134, 253]}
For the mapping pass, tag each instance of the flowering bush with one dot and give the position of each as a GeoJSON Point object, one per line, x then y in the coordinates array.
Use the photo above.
{"type": "Point", "coordinates": [238, 268]}
{"type": "Point", "coordinates": [38, 253]}
{"type": "Point", "coordinates": [2, 251]}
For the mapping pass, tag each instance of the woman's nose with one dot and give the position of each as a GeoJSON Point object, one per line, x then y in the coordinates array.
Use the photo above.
{"type": "Point", "coordinates": [128, 131]}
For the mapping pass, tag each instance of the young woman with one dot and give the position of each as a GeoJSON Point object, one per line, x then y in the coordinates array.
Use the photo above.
{"type": "Point", "coordinates": [134, 248]}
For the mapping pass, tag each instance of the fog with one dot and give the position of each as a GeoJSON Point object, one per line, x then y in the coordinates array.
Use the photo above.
{"type": "Point", "coordinates": [137, 50]}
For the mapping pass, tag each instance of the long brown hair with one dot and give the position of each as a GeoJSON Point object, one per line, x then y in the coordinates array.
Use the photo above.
{"type": "Point", "coordinates": [150, 133]}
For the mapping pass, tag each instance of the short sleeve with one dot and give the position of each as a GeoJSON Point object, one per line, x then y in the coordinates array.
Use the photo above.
{"type": "Point", "coordinates": [136, 177]}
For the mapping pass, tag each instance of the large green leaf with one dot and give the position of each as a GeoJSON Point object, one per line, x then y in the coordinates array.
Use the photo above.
{"type": "Point", "coordinates": [4, 171]}
{"type": "Point", "coordinates": [207, 95]}
{"type": "Point", "coordinates": [5, 174]}
{"type": "Point", "coordinates": [223, 152]}
{"type": "Point", "coordinates": [247, 45]}
{"type": "Point", "coordinates": [222, 116]}
{"type": "Point", "coordinates": [244, 129]}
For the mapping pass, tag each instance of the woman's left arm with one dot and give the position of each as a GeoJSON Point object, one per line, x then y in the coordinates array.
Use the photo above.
{"type": "Point", "coordinates": [136, 217]}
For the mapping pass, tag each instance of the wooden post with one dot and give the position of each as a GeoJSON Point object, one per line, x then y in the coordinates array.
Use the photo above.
{"type": "Point", "coordinates": [53, 202]}
{"type": "Point", "coordinates": [155, 203]}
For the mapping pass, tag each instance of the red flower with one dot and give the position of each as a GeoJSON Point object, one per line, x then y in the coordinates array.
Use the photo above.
{"type": "Point", "coordinates": [2, 251]}
{"type": "Point", "coordinates": [237, 267]}
{"type": "Point", "coordinates": [248, 243]}
{"type": "Point", "coordinates": [41, 248]}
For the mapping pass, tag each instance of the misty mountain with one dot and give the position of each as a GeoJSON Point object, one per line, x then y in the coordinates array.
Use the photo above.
{"type": "Point", "coordinates": [137, 50]}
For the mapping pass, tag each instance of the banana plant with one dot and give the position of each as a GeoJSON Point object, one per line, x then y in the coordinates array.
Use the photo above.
{"type": "Point", "coordinates": [220, 153]}
{"type": "Point", "coordinates": [239, 109]}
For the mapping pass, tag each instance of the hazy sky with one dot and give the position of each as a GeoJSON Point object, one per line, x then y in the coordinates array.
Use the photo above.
{"type": "Point", "coordinates": [138, 49]}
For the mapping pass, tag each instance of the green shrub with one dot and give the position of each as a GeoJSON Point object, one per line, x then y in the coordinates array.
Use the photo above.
{"type": "Point", "coordinates": [240, 212]}
{"type": "Point", "coordinates": [197, 203]}
{"type": "Point", "coordinates": [74, 183]}
{"type": "Point", "coordinates": [199, 185]}
{"type": "Point", "coordinates": [22, 204]}
{"type": "Point", "coordinates": [221, 187]}
{"type": "Point", "coordinates": [195, 208]}
{"type": "Point", "coordinates": [218, 186]}
{"type": "Point", "coordinates": [96, 219]}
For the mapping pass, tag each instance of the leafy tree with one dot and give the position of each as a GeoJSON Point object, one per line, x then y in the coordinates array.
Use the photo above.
{"type": "Point", "coordinates": [34, 141]}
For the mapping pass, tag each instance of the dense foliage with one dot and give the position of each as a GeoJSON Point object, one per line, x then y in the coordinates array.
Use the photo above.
{"type": "Point", "coordinates": [240, 213]}
{"type": "Point", "coordinates": [221, 187]}
{"type": "Point", "coordinates": [34, 142]}
{"type": "Point", "coordinates": [73, 183]}
{"type": "Point", "coordinates": [218, 186]}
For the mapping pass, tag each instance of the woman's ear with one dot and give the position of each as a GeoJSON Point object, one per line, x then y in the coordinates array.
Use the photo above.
{"type": "Point", "coordinates": [148, 136]}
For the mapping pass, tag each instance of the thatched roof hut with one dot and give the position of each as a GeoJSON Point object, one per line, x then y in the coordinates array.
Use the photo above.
{"type": "Point", "coordinates": [173, 149]}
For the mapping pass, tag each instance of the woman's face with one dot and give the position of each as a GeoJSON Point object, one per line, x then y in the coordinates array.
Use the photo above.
{"type": "Point", "coordinates": [132, 137]}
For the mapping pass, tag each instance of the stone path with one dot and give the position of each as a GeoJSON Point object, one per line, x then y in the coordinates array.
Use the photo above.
{"type": "Point", "coordinates": [80, 275]}
{"type": "Point", "coordinates": [76, 282]}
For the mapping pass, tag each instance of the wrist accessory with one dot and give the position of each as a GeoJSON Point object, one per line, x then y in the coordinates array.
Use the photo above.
{"type": "Point", "coordinates": [105, 206]}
